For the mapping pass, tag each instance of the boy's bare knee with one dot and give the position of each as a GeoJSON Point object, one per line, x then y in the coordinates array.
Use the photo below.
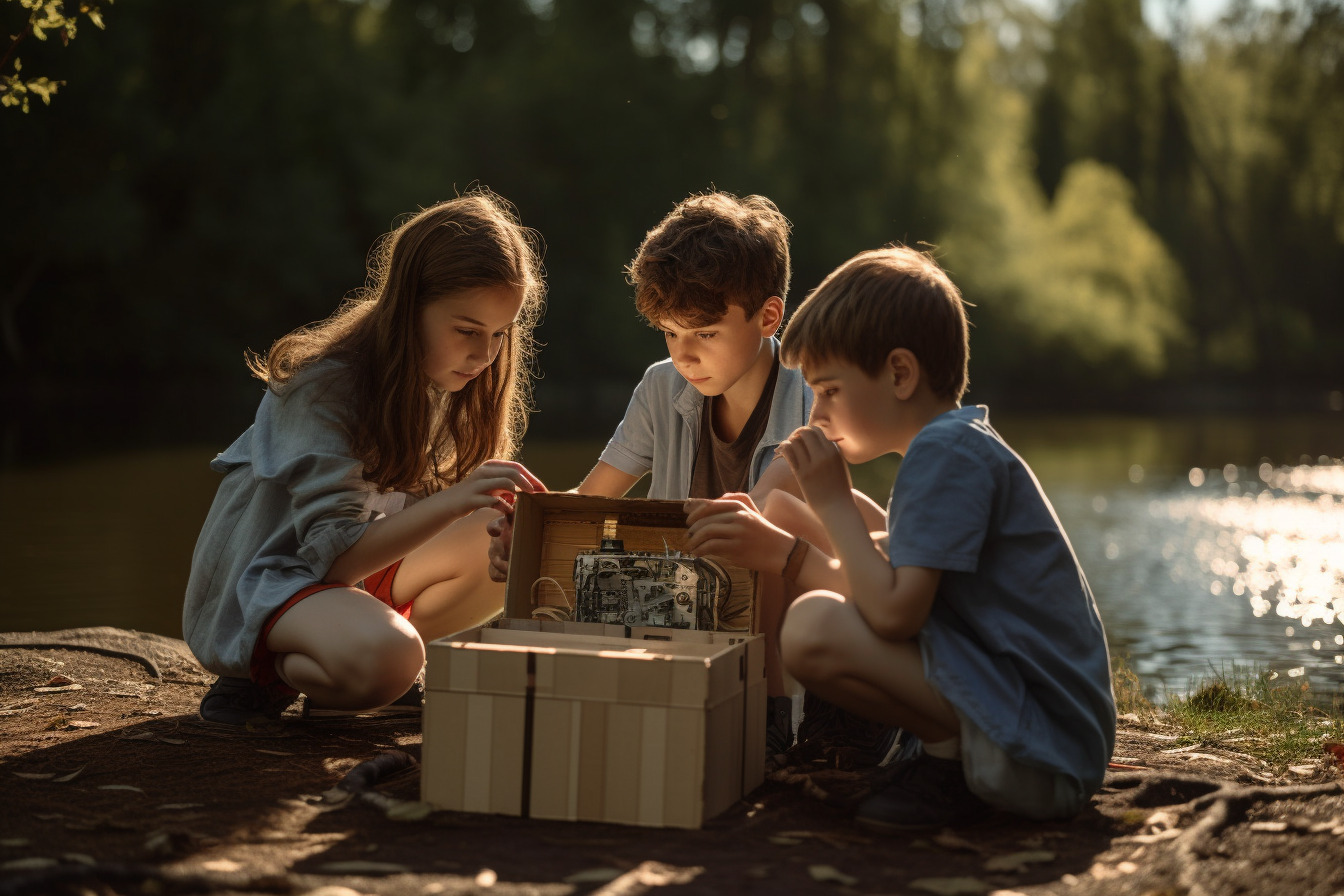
{"type": "Point", "coordinates": [809, 641]}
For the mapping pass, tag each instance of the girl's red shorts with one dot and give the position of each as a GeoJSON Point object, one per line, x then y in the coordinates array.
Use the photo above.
{"type": "Point", "coordinates": [263, 658]}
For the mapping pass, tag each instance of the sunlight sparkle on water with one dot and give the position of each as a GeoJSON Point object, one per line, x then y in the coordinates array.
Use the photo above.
{"type": "Point", "coordinates": [1279, 542]}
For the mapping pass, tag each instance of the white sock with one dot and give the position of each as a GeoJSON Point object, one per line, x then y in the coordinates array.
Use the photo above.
{"type": "Point", "coordinates": [944, 749]}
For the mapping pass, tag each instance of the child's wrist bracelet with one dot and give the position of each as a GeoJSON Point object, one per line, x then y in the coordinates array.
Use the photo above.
{"type": "Point", "coordinates": [794, 563]}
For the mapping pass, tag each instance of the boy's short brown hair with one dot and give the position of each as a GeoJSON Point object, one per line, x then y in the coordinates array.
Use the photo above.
{"type": "Point", "coordinates": [879, 300]}
{"type": "Point", "coordinates": [711, 251]}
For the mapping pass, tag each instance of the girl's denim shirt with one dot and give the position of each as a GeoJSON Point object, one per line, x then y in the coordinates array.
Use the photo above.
{"type": "Point", "coordinates": [292, 500]}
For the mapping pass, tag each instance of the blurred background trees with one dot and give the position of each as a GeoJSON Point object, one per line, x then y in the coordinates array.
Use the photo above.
{"type": "Point", "coordinates": [1143, 219]}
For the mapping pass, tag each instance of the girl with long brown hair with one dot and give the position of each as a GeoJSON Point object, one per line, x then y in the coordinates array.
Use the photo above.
{"type": "Point", "coordinates": [349, 527]}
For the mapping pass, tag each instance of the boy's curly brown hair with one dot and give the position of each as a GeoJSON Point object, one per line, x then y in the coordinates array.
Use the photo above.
{"type": "Point", "coordinates": [711, 251]}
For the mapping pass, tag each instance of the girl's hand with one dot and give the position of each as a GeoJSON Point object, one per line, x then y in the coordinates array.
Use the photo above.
{"type": "Point", "coordinates": [495, 484]}
{"type": "Point", "coordinates": [817, 464]}
{"type": "Point", "coordinates": [732, 529]}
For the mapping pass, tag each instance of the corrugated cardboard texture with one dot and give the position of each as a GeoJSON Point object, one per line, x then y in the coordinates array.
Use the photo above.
{"type": "Point", "coordinates": [648, 732]}
{"type": "Point", "coordinates": [551, 528]}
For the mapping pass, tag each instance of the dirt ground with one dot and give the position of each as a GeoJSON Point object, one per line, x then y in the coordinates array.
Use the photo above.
{"type": "Point", "coordinates": [112, 785]}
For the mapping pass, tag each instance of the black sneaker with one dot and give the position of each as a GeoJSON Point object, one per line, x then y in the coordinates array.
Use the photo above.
{"type": "Point", "coordinates": [411, 703]}
{"type": "Point", "coordinates": [241, 701]}
{"type": "Point", "coordinates": [925, 792]}
{"type": "Point", "coordinates": [841, 739]}
{"type": "Point", "coordinates": [778, 725]}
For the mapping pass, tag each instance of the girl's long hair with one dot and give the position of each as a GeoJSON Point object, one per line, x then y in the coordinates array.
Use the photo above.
{"type": "Point", "coordinates": [410, 435]}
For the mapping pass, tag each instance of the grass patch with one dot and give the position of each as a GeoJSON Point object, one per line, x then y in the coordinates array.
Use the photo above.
{"type": "Point", "coordinates": [1272, 718]}
{"type": "Point", "coordinates": [1128, 690]}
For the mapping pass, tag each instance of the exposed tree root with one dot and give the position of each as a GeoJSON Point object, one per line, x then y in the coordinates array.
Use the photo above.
{"type": "Point", "coordinates": [1218, 807]}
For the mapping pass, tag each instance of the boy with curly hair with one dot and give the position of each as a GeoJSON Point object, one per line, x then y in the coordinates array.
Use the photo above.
{"type": "Point", "coordinates": [712, 276]}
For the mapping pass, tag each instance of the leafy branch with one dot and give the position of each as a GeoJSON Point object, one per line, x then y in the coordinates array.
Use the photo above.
{"type": "Point", "coordinates": [45, 17]}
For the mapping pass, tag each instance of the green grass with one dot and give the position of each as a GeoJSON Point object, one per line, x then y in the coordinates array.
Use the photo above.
{"type": "Point", "coordinates": [1274, 719]}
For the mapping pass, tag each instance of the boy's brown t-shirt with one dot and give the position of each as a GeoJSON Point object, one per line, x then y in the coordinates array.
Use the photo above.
{"type": "Point", "coordinates": [720, 466]}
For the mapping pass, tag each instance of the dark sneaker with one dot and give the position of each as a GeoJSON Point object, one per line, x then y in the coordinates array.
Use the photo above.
{"type": "Point", "coordinates": [840, 739]}
{"type": "Point", "coordinates": [925, 792]}
{"type": "Point", "coordinates": [778, 725]}
{"type": "Point", "coordinates": [410, 703]}
{"type": "Point", "coordinates": [241, 701]}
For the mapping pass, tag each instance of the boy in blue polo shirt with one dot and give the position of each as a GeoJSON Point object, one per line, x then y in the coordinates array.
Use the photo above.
{"type": "Point", "coordinates": [975, 630]}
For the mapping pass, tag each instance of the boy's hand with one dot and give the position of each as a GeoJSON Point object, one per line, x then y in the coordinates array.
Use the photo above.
{"type": "Point", "coordinates": [817, 464]}
{"type": "Point", "coordinates": [732, 529]}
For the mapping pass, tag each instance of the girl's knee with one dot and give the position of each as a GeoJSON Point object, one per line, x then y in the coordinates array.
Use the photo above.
{"type": "Point", "coordinates": [384, 665]}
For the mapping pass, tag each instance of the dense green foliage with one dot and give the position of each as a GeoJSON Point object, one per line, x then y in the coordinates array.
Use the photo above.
{"type": "Point", "coordinates": [1132, 213]}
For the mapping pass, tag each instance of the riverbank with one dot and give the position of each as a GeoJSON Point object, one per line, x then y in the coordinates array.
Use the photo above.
{"type": "Point", "coordinates": [113, 785]}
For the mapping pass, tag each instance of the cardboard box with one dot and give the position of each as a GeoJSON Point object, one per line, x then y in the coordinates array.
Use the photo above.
{"type": "Point", "coordinates": [554, 720]}
{"type": "Point", "coordinates": [551, 528]}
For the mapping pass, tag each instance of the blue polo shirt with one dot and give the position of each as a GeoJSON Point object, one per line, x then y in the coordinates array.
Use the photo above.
{"type": "Point", "coordinates": [1013, 639]}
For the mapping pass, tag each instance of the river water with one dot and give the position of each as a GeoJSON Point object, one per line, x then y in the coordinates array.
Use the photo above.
{"type": "Point", "coordinates": [1215, 546]}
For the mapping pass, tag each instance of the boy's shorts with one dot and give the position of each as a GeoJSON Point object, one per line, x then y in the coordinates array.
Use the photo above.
{"type": "Point", "coordinates": [1007, 784]}
{"type": "Point", "coordinates": [263, 658]}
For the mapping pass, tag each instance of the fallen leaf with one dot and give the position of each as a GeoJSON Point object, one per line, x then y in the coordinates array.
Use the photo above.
{"type": "Point", "coordinates": [831, 874]}
{"type": "Point", "coordinates": [1018, 861]}
{"type": "Point", "coordinates": [150, 735]}
{"type": "Point", "coordinates": [1335, 750]}
{"type": "Point", "coordinates": [336, 796]}
{"type": "Point", "coordinates": [950, 886]}
{"type": "Point", "coordinates": [364, 868]}
{"type": "Point", "coordinates": [409, 810]}
{"type": "Point", "coordinates": [594, 876]}
{"type": "Point", "coordinates": [949, 840]}
{"type": "Point", "coordinates": [69, 776]}
{"type": "Point", "coordinates": [31, 863]}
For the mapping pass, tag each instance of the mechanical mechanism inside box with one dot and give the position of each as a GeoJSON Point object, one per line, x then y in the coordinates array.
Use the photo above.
{"type": "Point", "coordinates": [619, 561]}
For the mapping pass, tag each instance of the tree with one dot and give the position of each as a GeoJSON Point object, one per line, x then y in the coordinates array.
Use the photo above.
{"type": "Point", "coordinates": [43, 16]}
